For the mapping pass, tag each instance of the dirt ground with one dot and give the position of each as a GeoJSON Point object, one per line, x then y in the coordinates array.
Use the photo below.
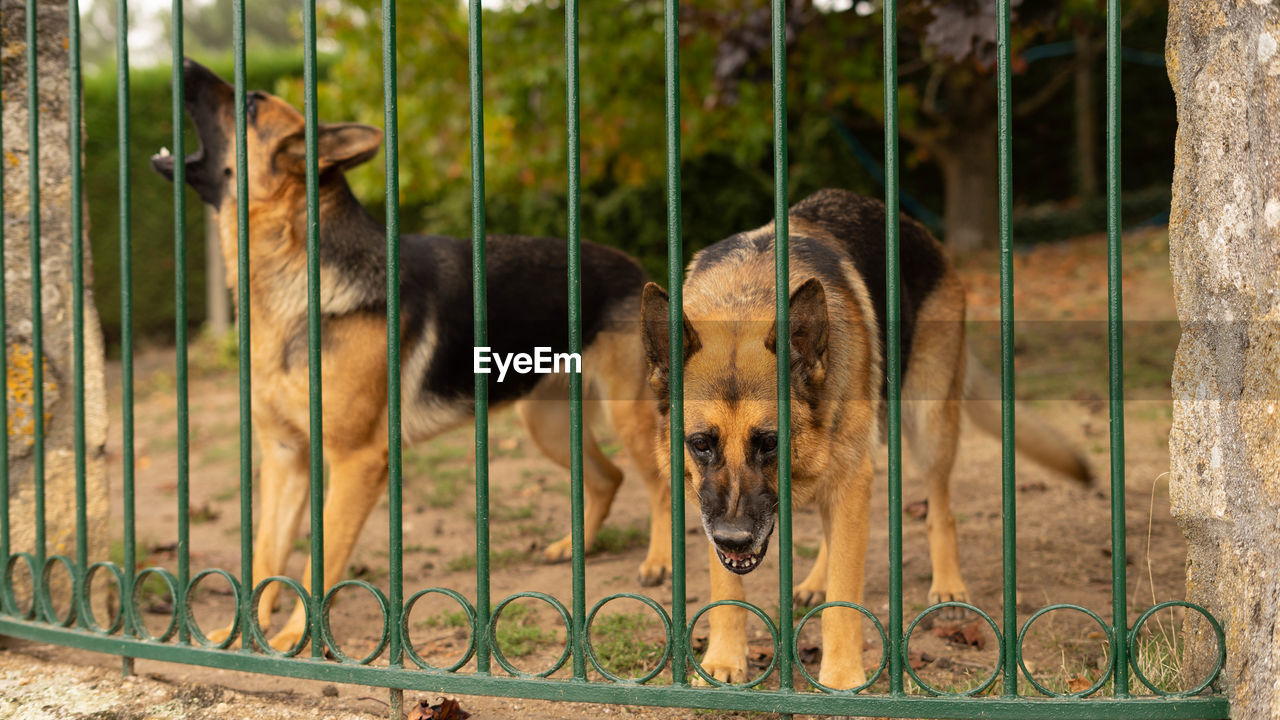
{"type": "Point", "coordinates": [1063, 529]}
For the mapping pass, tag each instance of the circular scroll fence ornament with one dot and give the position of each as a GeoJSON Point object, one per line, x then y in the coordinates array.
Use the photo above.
{"type": "Point", "coordinates": [768, 623]}
{"type": "Point", "coordinates": [45, 598]}
{"type": "Point", "coordinates": [189, 617]}
{"type": "Point", "coordinates": [977, 689]}
{"type": "Point", "coordinates": [666, 648]}
{"type": "Point", "coordinates": [136, 613]}
{"type": "Point", "coordinates": [884, 646]}
{"type": "Point", "coordinates": [255, 627]}
{"type": "Point", "coordinates": [1221, 660]}
{"type": "Point", "coordinates": [493, 639]}
{"type": "Point", "coordinates": [9, 599]}
{"type": "Point", "coordinates": [327, 632]}
{"type": "Point", "coordinates": [1106, 631]}
{"type": "Point", "coordinates": [407, 643]}
{"type": "Point", "coordinates": [86, 602]}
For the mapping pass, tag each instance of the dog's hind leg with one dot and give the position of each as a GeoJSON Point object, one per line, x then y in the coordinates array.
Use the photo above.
{"type": "Point", "coordinates": [547, 419]}
{"type": "Point", "coordinates": [634, 422]}
{"type": "Point", "coordinates": [932, 397]}
{"type": "Point", "coordinates": [356, 482]}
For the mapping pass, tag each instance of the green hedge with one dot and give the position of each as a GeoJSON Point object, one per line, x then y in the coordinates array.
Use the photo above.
{"type": "Point", "coordinates": [151, 196]}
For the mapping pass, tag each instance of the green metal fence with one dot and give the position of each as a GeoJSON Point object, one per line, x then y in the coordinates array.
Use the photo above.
{"type": "Point", "coordinates": [668, 684]}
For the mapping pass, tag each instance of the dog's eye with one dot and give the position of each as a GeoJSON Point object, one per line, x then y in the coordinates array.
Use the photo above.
{"type": "Point", "coordinates": [769, 443]}
{"type": "Point", "coordinates": [251, 106]}
{"type": "Point", "coordinates": [702, 446]}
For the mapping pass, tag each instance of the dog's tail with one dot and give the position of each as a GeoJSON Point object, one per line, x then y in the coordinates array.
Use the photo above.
{"type": "Point", "coordinates": [1031, 435]}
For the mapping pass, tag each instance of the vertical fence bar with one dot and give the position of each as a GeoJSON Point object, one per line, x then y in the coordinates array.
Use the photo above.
{"type": "Point", "coordinates": [180, 326]}
{"type": "Point", "coordinates": [5, 590]}
{"type": "Point", "coordinates": [1115, 346]}
{"type": "Point", "coordinates": [575, 341]}
{"type": "Point", "coordinates": [893, 342]}
{"type": "Point", "coordinates": [782, 293]}
{"type": "Point", "coordinates": [480, 318]}
{"type": "Point", "coordinates": [126, 321]}
{"type": "Point", "coordinates": [1007, 455]}
{"type": "Point", "coordinates": [242, 328]}
{"type": "Point", "coordinates": [37, 311]}
{"type": "Point", "coordinates": [675, 283]}
{"type": "Point", "coordinates": [77, 308]}
{"type": "Point", "coordinates": [395, 521]}
{"type": "Point", "coordinates": [316, 435]}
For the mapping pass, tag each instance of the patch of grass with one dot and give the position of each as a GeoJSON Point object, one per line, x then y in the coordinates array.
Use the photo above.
{"type": "Point", "coordinates": [512, 512]}
{"type": "Point", "coordinates": [447, 486]}
{"type": "Point", "coordinates": [613, 539]}
{"type": "Point", "coordinates": [518, 632]}
{"type": "Point", "coordinates": [153, 588]}
{"type": "Point", "coordinates": [619, 644]}
{"type": "Point", "coordinates": [227, 494]}
{"type": "Point", "coordinates": [418, 548]}
{"type": "Point", "coordinates": [498, 560]}
{"type": "Point", "coordinates": [1160, 655]}
{"type": "Point", "coordinates": [220, 453]}
{"type": "Point", "coordinates": [808, 552]}
{"type": "Point", "coordinates": [446, 619]}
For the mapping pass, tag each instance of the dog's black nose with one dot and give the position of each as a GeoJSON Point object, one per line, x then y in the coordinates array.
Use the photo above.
{"type": "Point", "coordinates": [732, 539]}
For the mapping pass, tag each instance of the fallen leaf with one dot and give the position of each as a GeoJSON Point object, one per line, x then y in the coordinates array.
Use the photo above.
{"type": "Point", "coordinates": [967, 634]}
{"type": "Point", "coordinates": [1078, 683]}
{"type": "Point", "coordinates": [918, 509]}
{"type": "Point", "coordinates": [446, 709]}
{"type": "Point", "coordinates": [810, 654]}
{"type": "Point", "coordinates": [1033, 486]}
{"type": "Point", "coordinates": [699, 643]}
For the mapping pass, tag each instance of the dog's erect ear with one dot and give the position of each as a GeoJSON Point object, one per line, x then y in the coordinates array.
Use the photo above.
{"type": "Point", "coordinates": [338, 145]}
{"type": "Point", "coordinates": [655, 313]}
{"type": "Point", "coordinates": [808, 335]}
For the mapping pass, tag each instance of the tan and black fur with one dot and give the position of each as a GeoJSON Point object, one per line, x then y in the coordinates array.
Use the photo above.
{"type": "Point", "coordinates": [837, 298]}
{"type": "Point", "coordinates": [526, 306]}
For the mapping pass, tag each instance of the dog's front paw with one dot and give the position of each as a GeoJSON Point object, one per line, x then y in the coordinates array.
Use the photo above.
{"type": "Point", "coordinates": [286, 639]}
{"type": "Point", "coordinates": [559, 551]}
{"type": "Point", "coordinates": [956, 593]}
{"type": "Point", "coordinates": [726, 667]}
{"type": "Point", "coordinates": [808, 597]}
{"type": "Point", "coordinates": [653, 572]}
{"type": "Point", "coordinates": [220, 634]}
{"type": "Point", "coordinates": [842, 678]}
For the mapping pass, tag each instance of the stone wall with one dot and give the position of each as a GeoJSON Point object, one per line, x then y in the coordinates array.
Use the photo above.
{"type": "Point", "coordinates": [56, 296]}
{"type": "Point", "coordinates": [1225, 256]}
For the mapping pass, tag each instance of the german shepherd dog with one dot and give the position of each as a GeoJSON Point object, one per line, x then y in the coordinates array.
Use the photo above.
{"type": "Point", "coordinates": [527, 305]}
{"type": "Point", "coordinates": [837, 290]}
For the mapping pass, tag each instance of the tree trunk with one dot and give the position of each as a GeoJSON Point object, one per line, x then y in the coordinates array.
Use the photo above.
{"type": "Point", "coordinates": [971, 186]}
{"type": "Point", "coordinates": [1225, 257]}
{"type": "Point", "coordinates": [57, 336]}
{"type": "Point", "coordinates": [1086, 120]}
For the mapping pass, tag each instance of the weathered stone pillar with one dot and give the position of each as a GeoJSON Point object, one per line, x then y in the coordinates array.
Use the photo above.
{"type": "Point", "coordinates": [55, 274]}
{"type": "Point", "coordinates": [1225, 255]}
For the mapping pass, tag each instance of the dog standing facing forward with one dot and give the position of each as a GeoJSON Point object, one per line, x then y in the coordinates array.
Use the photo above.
{"type": "Point", "coordinates": [837, 286]}
{"type": "Point", "coordinates": [527, 304]}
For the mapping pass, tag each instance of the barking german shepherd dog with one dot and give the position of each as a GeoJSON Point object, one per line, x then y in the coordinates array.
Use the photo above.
{"type": "Point", "coordinates": [837, 287]}
{"type": "Point", "coordinates": [527, 309]}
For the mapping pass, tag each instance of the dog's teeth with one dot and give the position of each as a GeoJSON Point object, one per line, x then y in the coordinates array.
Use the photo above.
{"type": "Point", "coordinates": [164, 152]}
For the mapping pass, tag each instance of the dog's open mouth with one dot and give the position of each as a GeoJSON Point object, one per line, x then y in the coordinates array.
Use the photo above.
{"type": "Point", "coordinates": [743, 563]}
